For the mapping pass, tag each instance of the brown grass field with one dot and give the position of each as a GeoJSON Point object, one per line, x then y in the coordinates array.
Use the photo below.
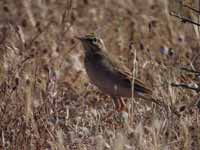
{"type": "Point", "coordinates": [46, 99]}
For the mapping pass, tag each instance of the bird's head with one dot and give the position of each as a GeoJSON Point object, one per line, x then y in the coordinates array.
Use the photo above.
{"type": "Point", "coordinates": [91, 43]}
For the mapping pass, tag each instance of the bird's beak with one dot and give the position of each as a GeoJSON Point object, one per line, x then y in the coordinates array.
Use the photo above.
{"type": "Point", "coordinates": [79, 38]}
{"type": "Point", "coordinates": [82, 40]}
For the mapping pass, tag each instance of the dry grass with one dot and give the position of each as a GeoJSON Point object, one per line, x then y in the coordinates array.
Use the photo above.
{"type": "Point", "coordinates": [46, 101]}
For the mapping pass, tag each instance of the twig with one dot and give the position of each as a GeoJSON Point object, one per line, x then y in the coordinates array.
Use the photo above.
{"type": "Point", "coordinates": [39, 33]}
{"type": "Point", "coordinates": [165, 106]}
{"type": "Point", "coordinates": [184, 19]}
{"type": "Point", "coordinates": [186, 86]}
{"type": "Point", "coordinates": [66, 17]}
{"type": "Point", "coordinates": [67, 12]}
{"type": "Point", "coordinates": [193, 9]}
{"type": "Point", "coordinates": [4, 35]}
{"type": "Point", "coordinates": [190, 70]}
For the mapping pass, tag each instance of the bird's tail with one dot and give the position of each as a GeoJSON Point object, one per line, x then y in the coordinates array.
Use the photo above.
{"type": "Point", "coordinates": [161, 104]}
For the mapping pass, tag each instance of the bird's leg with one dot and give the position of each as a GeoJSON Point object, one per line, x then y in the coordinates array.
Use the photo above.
{"type": "Point", "coordinates": [121, 117]}
{"type": "Point", "coordinates": [122, 105]}
{"type": "Point", "coordinates": [117, 103]}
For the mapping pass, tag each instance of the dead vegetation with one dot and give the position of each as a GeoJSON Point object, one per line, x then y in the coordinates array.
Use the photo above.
{"type": "Point", "coordinates": [46, 100]}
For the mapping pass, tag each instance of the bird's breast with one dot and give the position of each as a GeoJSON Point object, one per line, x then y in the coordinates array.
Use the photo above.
{"type": "Point", "coordinates": [106, 80]}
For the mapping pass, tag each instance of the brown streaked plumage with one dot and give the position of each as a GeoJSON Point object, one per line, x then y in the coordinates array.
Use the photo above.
{"type": "Point", "coordinates": [108, 75]}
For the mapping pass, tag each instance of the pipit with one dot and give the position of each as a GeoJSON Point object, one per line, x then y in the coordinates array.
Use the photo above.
{"type": "Point", "coordinates": [110, 77]}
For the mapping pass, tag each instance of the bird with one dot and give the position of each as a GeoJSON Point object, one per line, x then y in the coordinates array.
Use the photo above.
{"type": "Point", "coordinates": [108, 75]}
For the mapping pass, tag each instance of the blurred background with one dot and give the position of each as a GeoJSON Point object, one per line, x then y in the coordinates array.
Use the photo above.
{"type": "Point", "coordinates": [46, 100]}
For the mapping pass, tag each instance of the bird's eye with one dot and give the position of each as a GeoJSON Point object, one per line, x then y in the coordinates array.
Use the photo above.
{"type": "Point", "coordinates": [95, 40]}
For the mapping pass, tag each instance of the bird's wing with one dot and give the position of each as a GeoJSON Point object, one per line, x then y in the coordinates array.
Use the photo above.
{"type": "Point", "coordinates": [124, 75]}
{"type": "Point", "coordinates": [139, 86]}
